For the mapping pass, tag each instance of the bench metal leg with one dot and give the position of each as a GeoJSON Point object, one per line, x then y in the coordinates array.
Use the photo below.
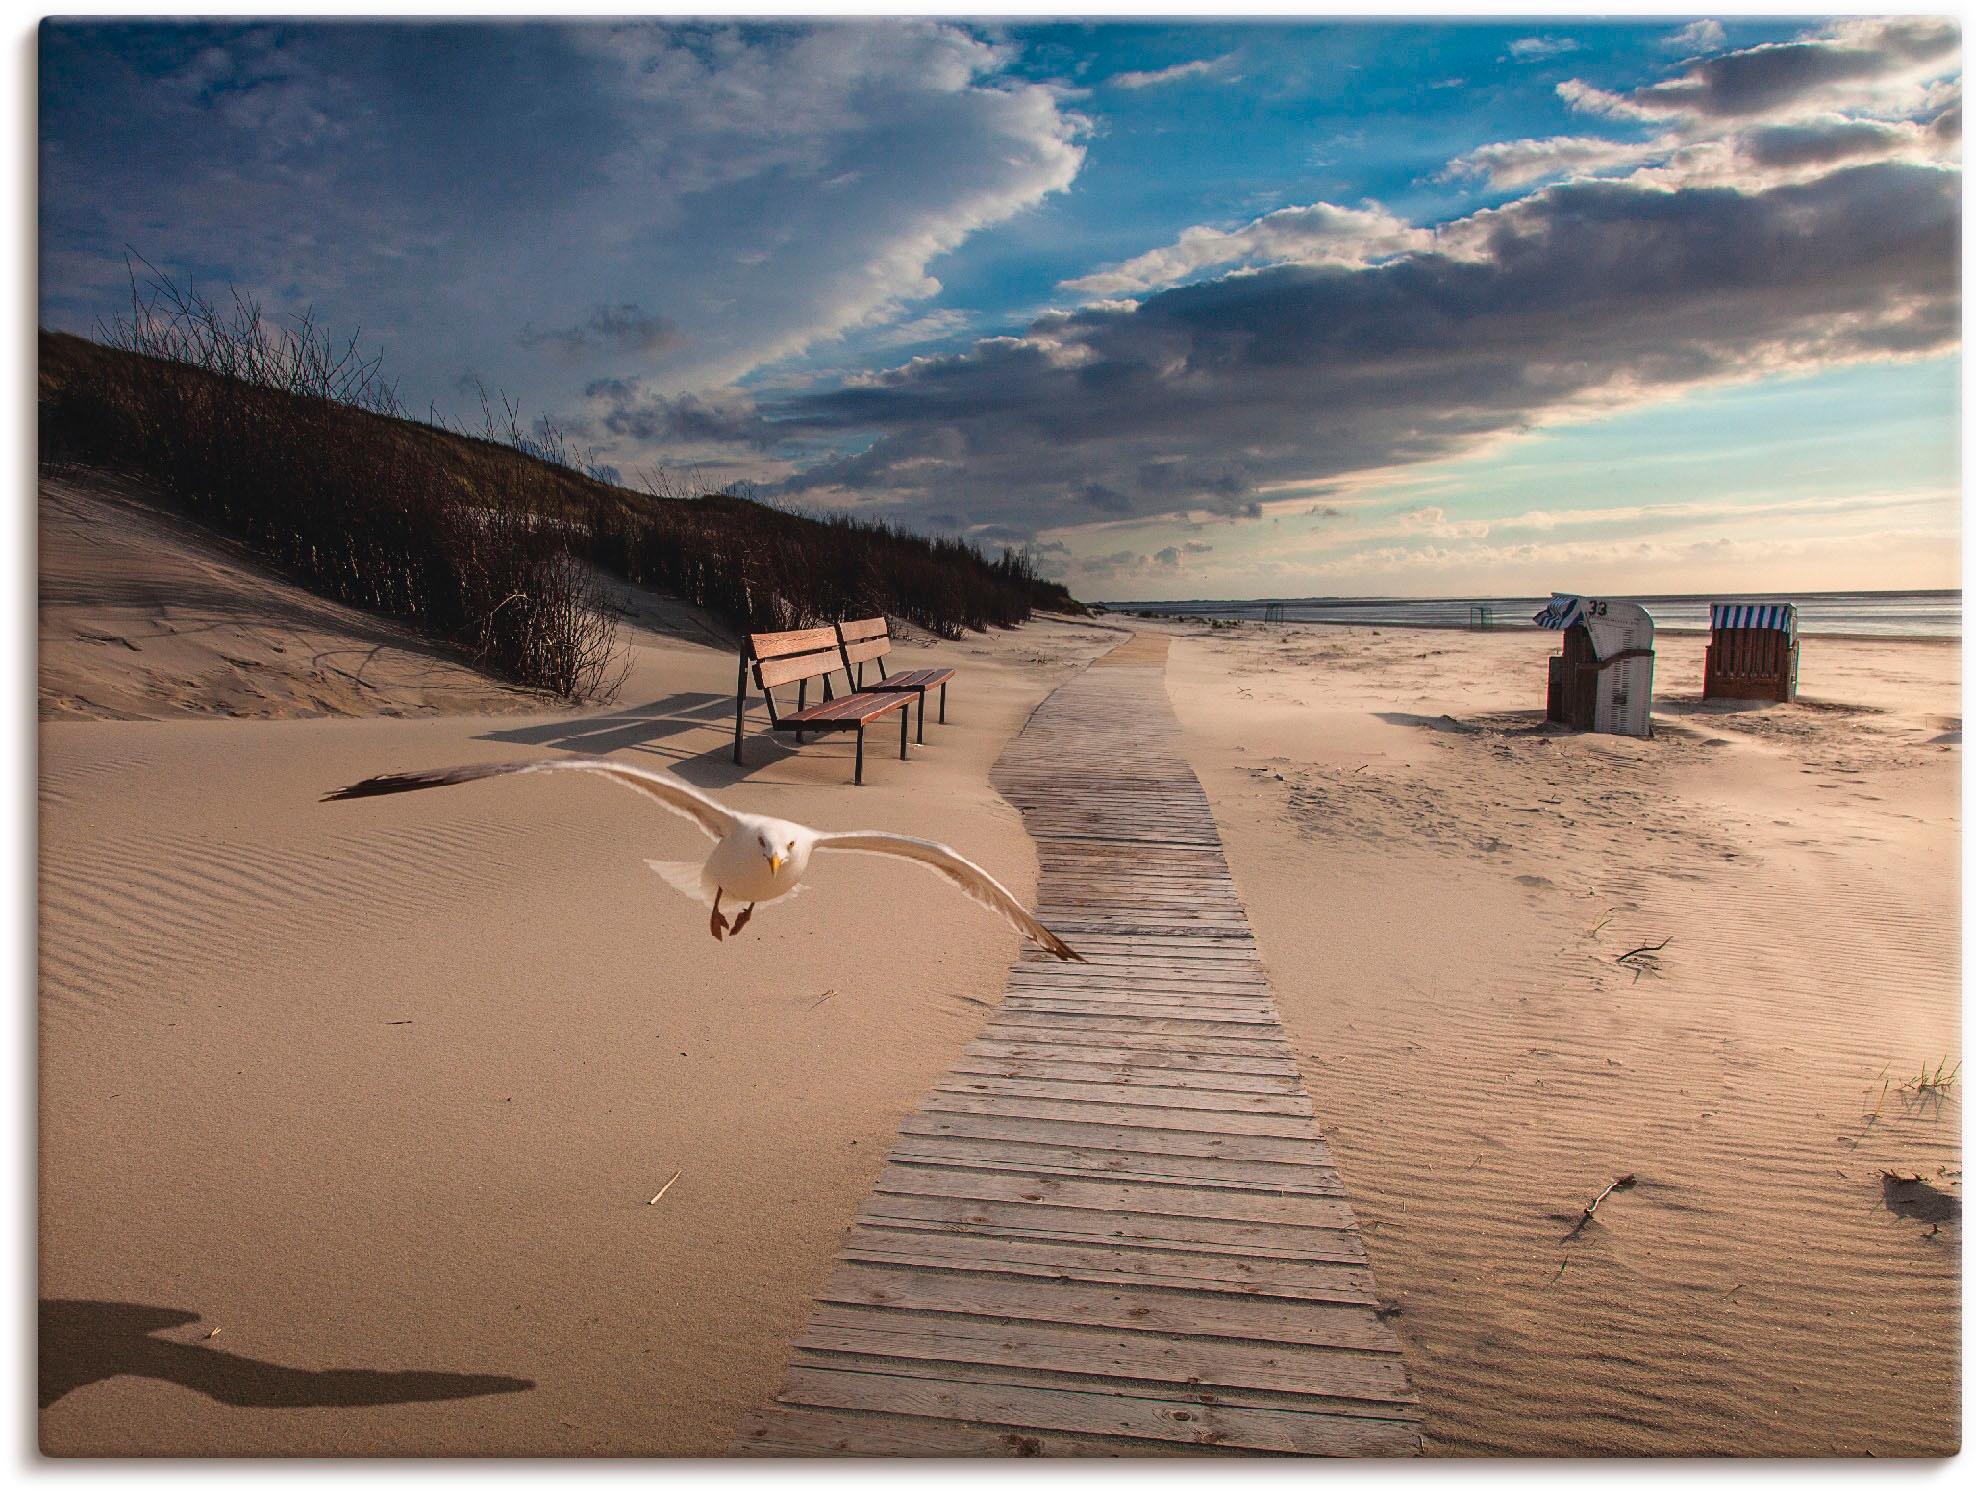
{"type": "Point", "coordinates": [859, 754]}
{"type": "Point", "coordinates": [942, 707]}
{"type": "Point", "coordinates": [904, 730]}
{"type": "Point", "coordinates": [921, 708]}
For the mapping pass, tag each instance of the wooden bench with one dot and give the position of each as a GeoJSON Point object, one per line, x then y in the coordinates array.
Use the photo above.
{"type": "Point", "coordinates": [863, 642]}
{"type": "Point", "coordinates": [771, 659]}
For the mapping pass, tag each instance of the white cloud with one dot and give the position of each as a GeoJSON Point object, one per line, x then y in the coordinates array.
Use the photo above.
{"type": "Point", "coordinates": [1319, 234]}
{"type": "Point", "coordinates": [1540, 48]}
{"type": "Point", "coordinates": [1699, 37]}
{"type": "Point", "coordinates": [1519, 162]}
{"type": "Point", "coordinates": [1199, 69]}
{"type": "Point", "coordinates": [751, 191]}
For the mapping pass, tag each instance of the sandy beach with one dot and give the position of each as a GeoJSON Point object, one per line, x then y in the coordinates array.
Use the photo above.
{"type": "Point", "coordinates": [385, 1087]}
{"type": "Point", "coordinates": [1441, 892]}
{"type": "Point", "coordinates": [352, 1115]}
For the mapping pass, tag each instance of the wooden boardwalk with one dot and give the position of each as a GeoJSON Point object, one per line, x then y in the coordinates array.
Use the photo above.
{"type": "Point", "coordinates": [1113, 1228]}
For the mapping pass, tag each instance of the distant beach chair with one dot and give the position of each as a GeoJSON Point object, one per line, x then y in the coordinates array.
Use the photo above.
{"type": "Point", "coordinates": [1479, 619]}
{"type": "Point", "coordinates": [1275, 611]}
{"type": "Point", "coordinates": [1601, 679]}
{"type": "Point", "coordinates": [1754, 653]}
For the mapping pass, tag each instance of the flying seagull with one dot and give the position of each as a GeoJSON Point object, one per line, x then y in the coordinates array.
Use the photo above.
{"type": "Point", "coordinates": [756, 860]}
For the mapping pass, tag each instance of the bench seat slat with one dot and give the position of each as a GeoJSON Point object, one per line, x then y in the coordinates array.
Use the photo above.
{"type": "Point", "coordinates": [913, 680]}
{"type": "Point", "coordinates": [845, 713]}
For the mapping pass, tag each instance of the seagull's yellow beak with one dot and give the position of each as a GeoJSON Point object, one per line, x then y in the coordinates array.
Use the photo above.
{"type": "Point", "coordinates": [776, 861]}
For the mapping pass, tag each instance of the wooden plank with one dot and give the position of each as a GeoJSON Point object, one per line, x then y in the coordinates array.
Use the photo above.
{"type": "Point", "coordinates": [1341, 1282]}
{"type": "Point", "coordinates": [846, 711]}
{"type": "Point", "coordinates": [784, 1431]}
{"type": "Point", "coordinates": [1088, 1029]}
{"type": "Point", "coordinates": [963, 1185]}
{"type": "Point", "coordinates": [863, 629]}
{"type": "Point", "coordinates": [1125, 1305]}
{"type": "Point", "coordinates": [1145, 1061]}
{"type": "Point", "coordinates": [1176, 1117]}
{"type": "Point", "coordinates": [783, 644]}
{"type": "Point", "coordinates": [1078, 1074]}
{"type": "Point", "coordinates": [1159, 968]}
{"type": "Point", "coordinates": [1312, 1371]}
{"type": "Point", "coordinates": [1053, 1159]}
{"type": "Point", "coordinates": [1049, 1223]}
{"type": "Point", "coordinates": [1102, 1084]}
{"type": "Point", "coordinates": [1259, 1019]}
{"type": "Point", "coordinates": [1110, 1385]}
{"type": "Point", "coordinates": [1096, 1413]}
{"type": "Point", "coordinates": [783, 670]}
{"type": "Point", "coordinates": [1122, 1138]}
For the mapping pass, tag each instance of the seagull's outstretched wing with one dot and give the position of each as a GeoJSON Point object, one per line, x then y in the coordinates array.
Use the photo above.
{"type": "Point", "coordinates": [669, 791]}
{"type": "Point", "coordinates": [973, 880]}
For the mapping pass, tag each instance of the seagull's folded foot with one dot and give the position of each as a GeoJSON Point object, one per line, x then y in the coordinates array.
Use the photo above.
{"type": "Point", "coordinates": [743, 920]}
{"type": "Point", "coordinates": [717, 925]}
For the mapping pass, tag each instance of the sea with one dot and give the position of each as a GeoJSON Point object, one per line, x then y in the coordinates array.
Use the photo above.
{"type": "Point", "coordinates": [1919, 614]}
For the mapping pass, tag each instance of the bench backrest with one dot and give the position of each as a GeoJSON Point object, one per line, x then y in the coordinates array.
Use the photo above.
{"type": "Point", "coordinates": [865, 641]}
{"type": "Point", "coordinates": [787, 657]}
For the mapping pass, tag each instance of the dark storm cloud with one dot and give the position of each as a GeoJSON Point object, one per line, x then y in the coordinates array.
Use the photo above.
{"type": "Point", "coordinates": [1200, 396]}
{"type": "Point", "coordinates": [1761, 80]}
{"type": "Point", "coordinates": [688, 418]}
{"type": "Point", "coordinates": [609, 328]}
{"type": "Point", "coordinates": [1821, 143]}
{"type": "Point", "coordinates": [443, 183]}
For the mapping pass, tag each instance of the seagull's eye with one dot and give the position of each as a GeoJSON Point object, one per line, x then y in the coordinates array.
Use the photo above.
{"type": "Point", "coordinates": [791, 846]}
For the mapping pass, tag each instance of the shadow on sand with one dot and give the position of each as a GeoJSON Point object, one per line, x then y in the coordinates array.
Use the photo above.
{"type": "Point", "coordinates": [88, 1340]}
{"type": "Point", "coordinates": [645, 728]}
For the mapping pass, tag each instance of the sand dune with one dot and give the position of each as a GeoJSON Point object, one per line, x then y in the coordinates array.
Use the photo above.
{"type": "Point", "coordinates": [1454, 991]}
{"type": "Point", "coordinates": [147, 615]}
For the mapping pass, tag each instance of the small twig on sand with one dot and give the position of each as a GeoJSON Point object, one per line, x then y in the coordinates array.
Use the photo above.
{"type": "Point", "coordinates": [663, 1190]}
{"type": "Point", "coordinates": [822, 999]}
{"type": "Point", "coordinates": [1652, 948]}
{"type": "Point", "coordinates": [1621, 1183]}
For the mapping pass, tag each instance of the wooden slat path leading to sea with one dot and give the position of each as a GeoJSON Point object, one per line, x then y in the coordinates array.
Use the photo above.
{"type": "Point", "coordinates": [1113, 1228]}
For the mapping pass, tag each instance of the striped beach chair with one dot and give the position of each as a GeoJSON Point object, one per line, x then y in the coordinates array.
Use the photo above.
{"type": "Point", "coordinates": [1754, 652]}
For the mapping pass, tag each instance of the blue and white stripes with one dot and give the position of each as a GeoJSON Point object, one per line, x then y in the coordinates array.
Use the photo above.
{"type": "Point", "coordinates": [1779, 618]}
{"type": "Point", "coordinates": [1560, 614]}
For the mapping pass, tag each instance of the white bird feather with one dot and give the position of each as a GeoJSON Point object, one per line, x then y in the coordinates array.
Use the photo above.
{"type": "Point", "coordinates": [756, 859]}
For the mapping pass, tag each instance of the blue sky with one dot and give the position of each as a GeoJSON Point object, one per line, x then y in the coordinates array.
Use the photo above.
{"type": "Point", "coordinates": [1286, 308]}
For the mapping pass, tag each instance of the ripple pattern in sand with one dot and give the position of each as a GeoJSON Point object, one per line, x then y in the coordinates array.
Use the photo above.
{"type": "Point", "coordinates": [146, 915]}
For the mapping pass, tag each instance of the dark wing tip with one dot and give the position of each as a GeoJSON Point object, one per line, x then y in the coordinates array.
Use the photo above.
{"type": "Point", "coordinates": [1061, 951]}
{"type": "Point", "coordinates": [373, 787]}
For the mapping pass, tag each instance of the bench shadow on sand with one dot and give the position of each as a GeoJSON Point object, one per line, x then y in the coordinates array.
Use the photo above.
{"type": "Point", "coordinates": [89, 1340]}
{"type": "Point", "coordinates": [644, 729]}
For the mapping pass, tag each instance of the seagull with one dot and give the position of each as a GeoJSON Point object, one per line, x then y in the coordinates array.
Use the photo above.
{"type": "Point", "coordinates": [756, 860]}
